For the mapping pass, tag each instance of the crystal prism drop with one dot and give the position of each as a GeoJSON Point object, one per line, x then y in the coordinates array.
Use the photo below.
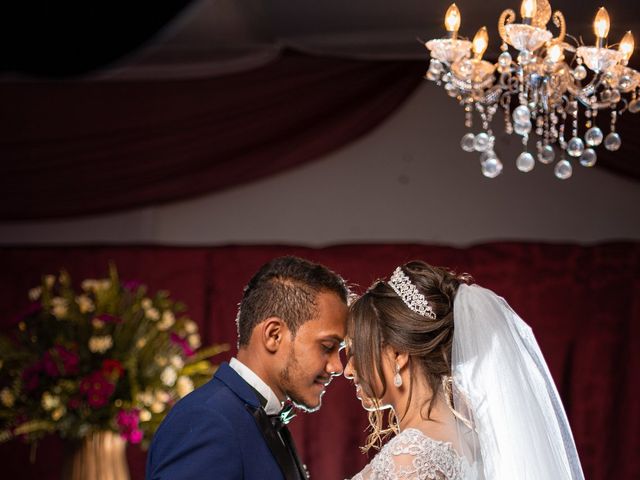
{"type": "Point", "coordinates": [546, 155]}
{"type": "Point", "coordinates": [563, 169]}
{"type": "Point", "coordinates": [575, 147]}
{"type": "Point", "coordinates": [612, 142]}
{"type": "Point", "coordinates": [492, 167]}
{"type": "Point", "coordinates": [525, 162]}
{"type": "Point", "coordinates": [467, 142]}
{"type": "Point", "coordinates": [593, 136]}
{"type": "Point", "coordinates": [588, 158]}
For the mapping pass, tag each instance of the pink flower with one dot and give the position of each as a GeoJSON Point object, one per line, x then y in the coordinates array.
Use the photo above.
{"type": "Point", "coordinates": [183, 343]}
{"type": "Point", "coordinates": [135, 436]}
{"type": "Point", "coordinates": [128, 424]}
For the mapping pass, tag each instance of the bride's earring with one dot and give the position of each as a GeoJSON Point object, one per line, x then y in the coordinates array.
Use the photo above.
{"type": "Point", "coordinates": [397, 380]}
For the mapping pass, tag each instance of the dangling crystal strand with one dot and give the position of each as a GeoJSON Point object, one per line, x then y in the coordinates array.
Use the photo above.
{"type": "Point", "coordinates": [553, 131]}
{"type": "Point", "coordinates": [612, 142]}
{"type": "Point", "coordinates": [575, 147]}
{"type": "Point", "coordinates": [468, 112]}
{"type": "Point", "coordinates": [634, 104]}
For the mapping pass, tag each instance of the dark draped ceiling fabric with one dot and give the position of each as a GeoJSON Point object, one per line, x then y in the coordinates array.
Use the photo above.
{"type": "Point", "coordinates": [583, 304]}
{"type": "Point", "coordinates": [73, 147]}
{"type": "Point", "coordinates": [83, 147]}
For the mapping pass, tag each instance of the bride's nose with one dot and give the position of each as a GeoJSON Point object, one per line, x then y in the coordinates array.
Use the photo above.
{"type": "Point", "coordinates": [349, 371]}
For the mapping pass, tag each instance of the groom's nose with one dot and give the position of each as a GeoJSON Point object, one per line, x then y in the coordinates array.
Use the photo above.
{"type": "Point", "coordinates": [334, 365]}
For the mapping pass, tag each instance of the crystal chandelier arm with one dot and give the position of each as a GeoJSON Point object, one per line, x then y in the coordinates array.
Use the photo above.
{"type": "Point", "coordinates": [559, 21]}
{"type": "Point", "coordinates": [582, 94]}
{"type": "Point", "coordinates": [506, 17]}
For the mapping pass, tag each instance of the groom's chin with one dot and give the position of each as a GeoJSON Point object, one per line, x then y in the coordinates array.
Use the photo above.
{"type": "Point", "coordinates": [307, 404]}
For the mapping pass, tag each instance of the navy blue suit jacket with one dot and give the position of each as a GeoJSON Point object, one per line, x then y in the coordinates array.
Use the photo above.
{"type": "Point", "coordinates": [220, 432]}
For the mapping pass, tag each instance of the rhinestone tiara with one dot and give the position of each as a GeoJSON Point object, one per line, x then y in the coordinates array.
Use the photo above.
{"type": "Point", "coordinates": [410, 295]}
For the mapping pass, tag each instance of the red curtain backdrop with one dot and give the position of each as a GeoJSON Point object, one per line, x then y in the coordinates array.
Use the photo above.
{"type": "Point", "coordinates": [583, 304]}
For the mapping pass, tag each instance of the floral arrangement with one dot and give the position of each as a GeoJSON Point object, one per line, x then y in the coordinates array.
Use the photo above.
{"type": "Point", "coordinates": [106, 357]}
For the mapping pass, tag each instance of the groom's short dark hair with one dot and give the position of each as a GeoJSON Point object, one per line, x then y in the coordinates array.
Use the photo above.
{"type": "Point", "coordinates": [286, 287]}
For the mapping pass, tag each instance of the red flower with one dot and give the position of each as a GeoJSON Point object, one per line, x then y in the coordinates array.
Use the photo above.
{"type": "Point", "coordinates": [60, 361]}
{"type": "Point", "coordinates": [97, 389]}
{"type": "Point", "coordinates": [112, 369]}
{"type": "Point", "coordinates": [31, 376]}
{"type": "Point", "coordinates": [108, 318]}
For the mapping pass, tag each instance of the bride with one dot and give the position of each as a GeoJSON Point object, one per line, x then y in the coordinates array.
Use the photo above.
{"type": "Point", "coordinates": [468, 392]}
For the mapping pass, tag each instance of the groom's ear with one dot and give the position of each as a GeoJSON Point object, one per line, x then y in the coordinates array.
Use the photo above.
{"type": "Point", "coordinates": [272, 333]}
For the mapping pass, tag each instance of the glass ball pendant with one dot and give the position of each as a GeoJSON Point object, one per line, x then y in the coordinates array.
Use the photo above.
{"type": "Point", "coordinates": [546, 155]}
{"type": "Point", "coordinates": [588, 158]}
{"type": "Point", "coordinates": [492, 167]}
{"type": "Point", "coordinates": [525, 162]}
{"type": "Point", "coordinates": [575, 147]}
{"type": "Point", "coordinates": [467, 143]}
{"type": "Point", "coordinates": [563, 169]}
{"type": "Point", "coordinates": [612, 142]}
{"type": "Point", "coordinates": [522, 114]}
{"type": "Point", "coordinates": [593, 137]}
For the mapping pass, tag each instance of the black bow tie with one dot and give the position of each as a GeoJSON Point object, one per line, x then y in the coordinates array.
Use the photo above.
{"type": "Point", "coordinates": [282, 418]}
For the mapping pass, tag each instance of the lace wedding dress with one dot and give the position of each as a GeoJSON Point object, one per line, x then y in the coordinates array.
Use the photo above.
{"type": "Point", "coordinates": [411, 455]}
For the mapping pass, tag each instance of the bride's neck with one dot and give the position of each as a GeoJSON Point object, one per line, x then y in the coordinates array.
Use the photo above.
{"type": "Point", "coordinates": [417, 414]}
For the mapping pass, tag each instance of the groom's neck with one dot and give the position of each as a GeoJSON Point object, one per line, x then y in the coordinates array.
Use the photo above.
{"type": "Point", "coordinates": [263, 369]}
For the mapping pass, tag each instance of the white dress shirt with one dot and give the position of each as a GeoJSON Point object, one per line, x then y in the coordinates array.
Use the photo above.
{"type": "Point", "coordinates": [274, 405]}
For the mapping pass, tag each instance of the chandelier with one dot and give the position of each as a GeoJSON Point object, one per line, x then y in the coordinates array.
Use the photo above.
{"type": "Point", "coordinates": [551, 94]}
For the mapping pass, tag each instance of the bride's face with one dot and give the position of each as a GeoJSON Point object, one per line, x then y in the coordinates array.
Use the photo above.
{"type": "Point", "coordinates": [367, 402]}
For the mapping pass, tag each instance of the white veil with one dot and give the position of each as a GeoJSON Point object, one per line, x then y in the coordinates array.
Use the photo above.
{"type": "Point", "coordinates": [502, 384]}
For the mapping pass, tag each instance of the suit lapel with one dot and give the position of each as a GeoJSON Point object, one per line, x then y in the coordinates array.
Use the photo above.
{"type": "Point", "coordinates": [287, 463]}
{"type": "Point", "coordinates": [288, 439]}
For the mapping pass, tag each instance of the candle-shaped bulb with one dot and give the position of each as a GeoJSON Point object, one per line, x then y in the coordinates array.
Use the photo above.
{"type": "Point", "coordinates": [480, 42]}
{"type": "Point", "coordinates": [528, 8]}
{"type": "Point", "coordinates": [452, 19]}
{"type": "Point", "coordinates": [626, 46]}
{"type": "Point", "coordinates": [601, 23]}
{"type": "Point", "coordinates": [554, 53]}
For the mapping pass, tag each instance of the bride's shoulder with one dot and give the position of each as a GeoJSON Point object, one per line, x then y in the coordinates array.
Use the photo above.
{"type": "Point", "coordinates": [414, 451]}
{"type": "Point", "coordinates": [412, 437]}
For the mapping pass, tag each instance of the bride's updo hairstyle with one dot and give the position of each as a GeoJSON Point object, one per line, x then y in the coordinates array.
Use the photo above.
{"type": "Point", "coordinates": [380, 318]}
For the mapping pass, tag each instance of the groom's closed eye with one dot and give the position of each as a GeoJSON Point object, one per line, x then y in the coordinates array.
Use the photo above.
{"type": "Point", "coordinates": [330, 347]}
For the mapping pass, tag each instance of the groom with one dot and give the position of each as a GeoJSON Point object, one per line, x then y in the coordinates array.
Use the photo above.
{"type": "Point", "coordinates": [291, 325]}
